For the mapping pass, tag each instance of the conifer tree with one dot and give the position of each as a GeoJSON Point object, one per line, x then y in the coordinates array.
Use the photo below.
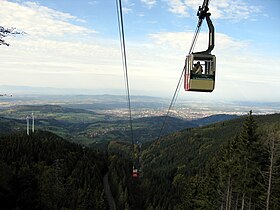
{"type": "Point", "coordinates": [249, 166]}
{"type": "Point", "coordinates": [272, 143]}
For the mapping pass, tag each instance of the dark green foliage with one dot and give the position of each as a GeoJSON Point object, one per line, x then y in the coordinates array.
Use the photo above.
{"type": "Point", "coordinates": [43, 171]}
{"type": "Point", "coordinates": [219, 166]}
{"type": "Point", "coordinates": [213, 167]}
{"type": "Point", "coordinates": [127, 191]}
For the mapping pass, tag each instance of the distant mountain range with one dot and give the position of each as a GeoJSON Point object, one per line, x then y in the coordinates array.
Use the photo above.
{"type": "Point", "coordinates": [49, 109]}
{"type": "Point", "coordinates": [28, 90]}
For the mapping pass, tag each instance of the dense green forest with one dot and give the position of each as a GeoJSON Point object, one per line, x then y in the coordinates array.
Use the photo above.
{"type": "Point", "coordinates": [234, 164]}
{"type": "Point", "coordinates": [229, 165]}
{"type": "Point", "coordinates": [223, 166]}
{"type": "Point", "coordinates": [43, 171]}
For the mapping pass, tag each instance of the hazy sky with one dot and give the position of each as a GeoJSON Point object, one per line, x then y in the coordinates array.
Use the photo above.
{"type": "Point", "coordinates": [75, 44]}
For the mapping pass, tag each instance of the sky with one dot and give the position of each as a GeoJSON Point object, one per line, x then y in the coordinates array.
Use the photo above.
{"type": "Point", "coordinates": [75, 44]}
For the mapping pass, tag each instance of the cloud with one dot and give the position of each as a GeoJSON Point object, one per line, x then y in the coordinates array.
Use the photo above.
{"type": "Point", "coordinates": [93, 2]}
{"type": "Point", "coordinates": [37, 20]}
{"type": "Point", "coordinates": [178, 7]}
{"type": "Point", "coordinates": [233, 9]}
{"type": "Point", "coordinates": [72, 57]}
{"type": "Point", "coordinates": [220, 9]}
{"type": "Point", "coordinates": [126, 10]}
{"type": "Point", "coordinates": [94, 65]}
{"type": "Point", "coordinates": [51, 63]}
{"type": "Point", "coordinates": [149, 3]}
{"type": "Point", "coordinates": [56, 51]}
{"type": "Point", "coordinates": [127, 6]}
{"type": "Point", "coordinates": [181, 41]}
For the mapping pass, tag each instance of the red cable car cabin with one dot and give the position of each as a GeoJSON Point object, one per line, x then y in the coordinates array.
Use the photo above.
{"type": "Point", "coordinates": [203, 80]}
{"type": "Point", "coordinates": [135, 173]}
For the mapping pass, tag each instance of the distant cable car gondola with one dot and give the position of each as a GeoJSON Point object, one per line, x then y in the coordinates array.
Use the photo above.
{"type": "Point", "coordinates": [135, 173]}
{"type": "Point", "coordinates": [200, 67]}
{"type": "Point", "coordinates": [137, 165]}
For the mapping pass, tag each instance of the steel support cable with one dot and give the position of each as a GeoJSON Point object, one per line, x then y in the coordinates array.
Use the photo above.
{"type": "Point", "coordinates": [120, 35]}
{"type": "Point", "coordinates": [195, 37]}
{"type": "Point", "coordinates": [176, 93]}
{"type": "Point", "coordinates": [124, 61]}
{"type": "Point", "coordinates": [171, 104]}
{"type": "Point", "coordinates": [122, 53]}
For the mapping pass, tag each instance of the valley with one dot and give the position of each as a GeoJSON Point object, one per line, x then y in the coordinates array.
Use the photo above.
{"type": "Point", "coordinates": [94, 120]}
{"type": "Point", "coordinates": [183, 169]}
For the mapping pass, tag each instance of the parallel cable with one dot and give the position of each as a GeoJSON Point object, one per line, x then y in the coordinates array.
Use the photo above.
{"type": "Point", "coordinates": [124, 62]}
{"type": "Point", "coordinates": [172, 103]}
{"type": "Point", "coordinates": [195, 37]}
{"type": "Point", "coordinates": [179, 84]}
{"type": "Point", "coordinates": [120, 35]}
{"type": "Point", "coordinates": [125, 69]}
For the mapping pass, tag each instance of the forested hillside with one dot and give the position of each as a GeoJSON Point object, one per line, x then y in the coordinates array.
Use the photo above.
{"type": "Point", "coordinates": [234, 164]}
{"type": "Point", "coordinates": [43, 171]}
{"type": "Point", "coordinates": [9, 125]}
{"type": "Point", "coordinates": [228, 165]}
{"type": "Point", "coordinates": [221, 166]}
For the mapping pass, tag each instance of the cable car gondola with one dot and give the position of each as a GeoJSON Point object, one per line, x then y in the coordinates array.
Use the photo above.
{"type": "Point", "coordinates": [137, 165]}
{"type": "Point", "coordinates": [200, 67]}
{"type": "Point", "coordinates": [135, 173]}
{"type": "Point", "coordinates": [203, 81]}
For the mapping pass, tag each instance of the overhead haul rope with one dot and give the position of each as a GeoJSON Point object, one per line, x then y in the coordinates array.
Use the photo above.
{"type": "Point", "coordinates": [124, 62]}
{"type": "Point", "coordinates": [176, 93]}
